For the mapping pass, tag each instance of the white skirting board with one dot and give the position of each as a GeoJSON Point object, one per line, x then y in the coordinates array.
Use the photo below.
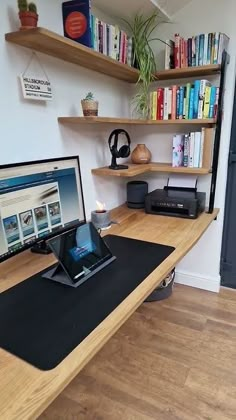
{"type": "Point", "coordinates": [191, 279]}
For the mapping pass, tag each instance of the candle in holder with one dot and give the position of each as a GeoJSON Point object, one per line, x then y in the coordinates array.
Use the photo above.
{"type": "Point", "coordinates": [101, 217]}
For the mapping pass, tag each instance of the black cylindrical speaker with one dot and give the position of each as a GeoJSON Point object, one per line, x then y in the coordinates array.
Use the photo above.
{"type": "Point", "coordinates": [136, 192]}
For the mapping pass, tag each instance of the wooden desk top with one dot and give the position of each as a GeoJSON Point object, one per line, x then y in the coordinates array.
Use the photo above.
{"type": "Point", "coordinates": [25, 391]}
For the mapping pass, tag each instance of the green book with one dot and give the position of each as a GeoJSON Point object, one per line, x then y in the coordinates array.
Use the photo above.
{"type": "Point", "coordinates": [188, 89]}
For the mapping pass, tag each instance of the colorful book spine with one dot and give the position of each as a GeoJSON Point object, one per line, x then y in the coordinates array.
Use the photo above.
{"type": "Point", "coordinates": [202, 148]}
{"type": "Point", "coordinates": [216, 47]}
{"type": "Point", "coordinates": [169, 101]}
{"type": "Point", "coordinates": [154, 105]}
{"type": "Point", "coordinates": [177, 51]}
{"type": "Point", "coordinates": [188, 89]}
{"type": "Point", "coordinates": [206, 109]}
{"type": "Point", "coordinates": [196, 98]}
{"type": "Point", "coordinates": [174, 102]}
{"type": "Point", "coordinates": [205, 50]}
{"type": "Point", "coordinates": [182, 58]}
{"type": "Point", "coordinates": [191, 150]}
{"type": "Point", "coordinates": [151, 106]}
{"type": "Point", "coordinates": [197, 145]}
{"type": "Point", "coordinates": [160, 103]}
{"type": "Point", "coordinates": [212, 48]}
{"type": "Point", "coordinates": [201, 50]}
{"type": "Point", "coordinates": [177, 103]}
{"type": "Point", "coordinates": [197, 39]}
{"type": "Point", "coordinates": [189, 47]}
{"type": "Point", "coordinates": [209, 48]}
{"type": "Point", "coordinates": [186, 150]}
{"type": "Point", "coordinates": [212, 101]}
{"type": "Point", "coordinates": [178, 150]}
{"type": "Point", "coordinates": [165, 115]}
{"type": "Point", "coordinates": [216, 103]}
{"type": "Point", "coordinates": [191, 103]}
{"type": "Point", "coordinates": [181, 102]}
{"type": "Point", "coordinates": [193, 51]}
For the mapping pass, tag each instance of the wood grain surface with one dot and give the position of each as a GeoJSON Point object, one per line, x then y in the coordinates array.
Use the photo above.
{"type": "Point", "coordinates": [172, 360]}
{"type": "Point", "coordinates": [25, 392]}
{"type": "Point", "coordinates": [132, 121]}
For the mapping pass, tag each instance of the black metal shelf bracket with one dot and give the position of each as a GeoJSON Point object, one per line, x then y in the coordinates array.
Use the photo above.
{"type": "Point", "coordinates": [216, 149]}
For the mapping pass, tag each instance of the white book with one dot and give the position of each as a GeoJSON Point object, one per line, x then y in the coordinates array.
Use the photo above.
{"type": "Point", "coordinates": [165, 116]}
{"type": "Point", "coordinates": [197, 144]}
{"type": "Point", "coordinates": [205, 49]}
{"type": "Point", "coordinates": [200, 109]}
{"type": "Point", "coordinates": [104, 25]}
{"type": "Point", "coordinates": [169, 103]}
{"type": "Point", "coordinates": [202, 147]}
{"type": "Point", "coordinates": [191, 150]}
{"type": "Point", "coordinates": [223, 45]}
{"type": "Point", "coordinates": [96, 38]}
{"type": "Point", "coordinates": [216, 47]}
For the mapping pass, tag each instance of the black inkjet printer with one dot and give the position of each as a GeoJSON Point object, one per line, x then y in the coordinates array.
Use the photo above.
{"type": "Point", "coordinates": [176, 201]}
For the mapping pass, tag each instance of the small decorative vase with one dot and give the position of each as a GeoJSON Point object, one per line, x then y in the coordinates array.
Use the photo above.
{"type": "Point", "coordinates": [90, 108]}
{"type": "Point", "coordinates": [141, 154]}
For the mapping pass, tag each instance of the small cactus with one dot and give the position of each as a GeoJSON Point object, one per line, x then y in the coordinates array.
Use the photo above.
{"type": "Point", "coordinates": [89, 97]}
{"type": "Point", "coordinates": [32, 8]}
{"type": "Point", "coordinates": [22, 5]}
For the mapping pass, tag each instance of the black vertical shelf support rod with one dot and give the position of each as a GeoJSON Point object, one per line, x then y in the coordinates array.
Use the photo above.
{"type": "Point", "coordinates": [216, 150]}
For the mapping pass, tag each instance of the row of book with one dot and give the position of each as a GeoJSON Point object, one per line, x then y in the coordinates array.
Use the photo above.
{"type": "Point", "coordinates": [82, 26]}
{"type": "Point", "coordinates": [111, 41]}
{"type": "Point", "coordinates": [188, 149]}
{"type": "Point", "coordinates": [191, 101]}
{"type": "Point", "coordinates": [200, 50]}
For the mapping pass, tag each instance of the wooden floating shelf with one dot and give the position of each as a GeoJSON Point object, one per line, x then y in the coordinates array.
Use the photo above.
{"type": "Point", "coordinates": [50, 43]}
{"type": "Point", "coordinates": [134, 170]}
{"type": "Point", "coordinates": [212, 69]}
{"type": "Point", "coordinates": [106, 120]}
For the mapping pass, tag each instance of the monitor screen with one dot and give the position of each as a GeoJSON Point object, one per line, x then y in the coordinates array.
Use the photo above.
{"type": "Point", "coordinates": [37, 201]}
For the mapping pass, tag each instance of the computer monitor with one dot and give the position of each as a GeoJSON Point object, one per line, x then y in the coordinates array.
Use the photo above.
{"type": "Point", "coordinates": [38, 200]}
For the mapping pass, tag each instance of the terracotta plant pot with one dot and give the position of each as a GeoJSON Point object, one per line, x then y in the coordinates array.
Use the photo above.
{"type": "Point", "coordinates": [28, 20]}
{"type": "Point", "coordinates": [90, 108]}
{"type": "Point", "coordinates": [141, 154]}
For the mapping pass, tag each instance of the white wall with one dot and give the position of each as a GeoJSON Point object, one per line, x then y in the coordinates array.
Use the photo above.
{"type": "Point", "coordinates": [201, 266]}
{"type": "Point", "coordinates": [30, 131]}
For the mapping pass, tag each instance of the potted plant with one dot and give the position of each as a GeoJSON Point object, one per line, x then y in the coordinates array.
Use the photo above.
{"type": "Point", "coordinates": [141, 30]}
{"type": "Point", "coordinates": [89, 105]}
{"type": "Point", "coordinates": [28, 15]}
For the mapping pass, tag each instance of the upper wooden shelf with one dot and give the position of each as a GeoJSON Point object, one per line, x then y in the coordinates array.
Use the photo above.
{"type": "Point", "coordinates": [106, 120]}
{"type": "Point", "coordinates": [183, 73]}
{"type": "Point", "coordinates": [50, 43]}
{"type": "Point", "coordinates": [134, 170]}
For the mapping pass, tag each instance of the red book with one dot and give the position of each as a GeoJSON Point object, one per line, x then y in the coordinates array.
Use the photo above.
{"type": "Point", "coordinates": [186, 53]}
{"type": "Point", "coordinates": [173, 104]}
{"type": "Point", "coordinates": [182, 53]}
{"type": "Point", "coordinates": [160, 103]}
{"type": "Point", "coordinates": [177, 51]}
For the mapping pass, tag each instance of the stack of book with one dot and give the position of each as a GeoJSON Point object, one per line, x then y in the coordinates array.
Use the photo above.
{"type": "Point", "coordinates": [198, 50]}
{"type": "Point", "coordinates": [188, 149]}
{"type": "Point", "coordinates": [111, 41]}
{"type": "Point", "coordinates": [191, 101]}
{"type": "Point", "coordinates": [83, 27]}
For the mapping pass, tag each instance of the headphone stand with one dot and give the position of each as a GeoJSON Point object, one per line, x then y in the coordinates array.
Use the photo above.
{"type": "Point", "coordinates": [115, 166]}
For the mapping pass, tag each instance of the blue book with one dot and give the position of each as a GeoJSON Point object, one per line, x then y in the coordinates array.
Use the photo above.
{"type": "Point", "coordinates": [177, 103]}
{"type": "Point", "coordinates": [212, 101]}
{"type": "Point", "coordinates": [191, 100]}
{"type": "Point", "coordinates": [197, 39]}
{"type": "Point", "coordinates": [181, 102]}
{"type": "Point", "coordinates": [197, 84]}
{"type": "Point", "coordinates": [201, 50]}
{"type": "Point", "coordinates": [77, 21]}
{"type": "Point", "coordinates": [92, 25]}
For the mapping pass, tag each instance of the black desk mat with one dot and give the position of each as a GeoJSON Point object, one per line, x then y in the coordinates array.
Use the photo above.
{"type": "Point", "coordinates": [42, 321]}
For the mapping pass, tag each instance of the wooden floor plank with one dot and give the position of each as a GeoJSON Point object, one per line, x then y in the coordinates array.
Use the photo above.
{"type": "Point", "coordinates": [172, 360]}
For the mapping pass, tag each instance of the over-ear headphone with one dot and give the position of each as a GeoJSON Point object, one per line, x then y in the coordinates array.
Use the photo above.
{"type": "Point", "coordinates": [122, 152]}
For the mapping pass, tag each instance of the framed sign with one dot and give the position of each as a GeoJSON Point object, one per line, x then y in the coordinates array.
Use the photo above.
{"type": "Point", "coordinates": [35, 88]}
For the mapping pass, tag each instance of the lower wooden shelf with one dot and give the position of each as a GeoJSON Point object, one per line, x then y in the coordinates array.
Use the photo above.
{"type": "Point", "coordinates": [134, 170]}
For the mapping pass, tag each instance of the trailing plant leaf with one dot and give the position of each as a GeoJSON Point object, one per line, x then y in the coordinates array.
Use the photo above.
{"type": "Point", "coordinates": [142, 29]}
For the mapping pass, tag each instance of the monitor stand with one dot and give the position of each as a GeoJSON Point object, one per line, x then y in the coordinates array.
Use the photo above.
{"type": "Point", "coordinates": [58, 274]}
{"type": "Point", "coordinates": [41, 248]}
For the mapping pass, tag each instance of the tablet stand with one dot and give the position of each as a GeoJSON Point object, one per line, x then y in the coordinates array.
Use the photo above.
{"type": "Point", "coordinates": [59, 275]}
